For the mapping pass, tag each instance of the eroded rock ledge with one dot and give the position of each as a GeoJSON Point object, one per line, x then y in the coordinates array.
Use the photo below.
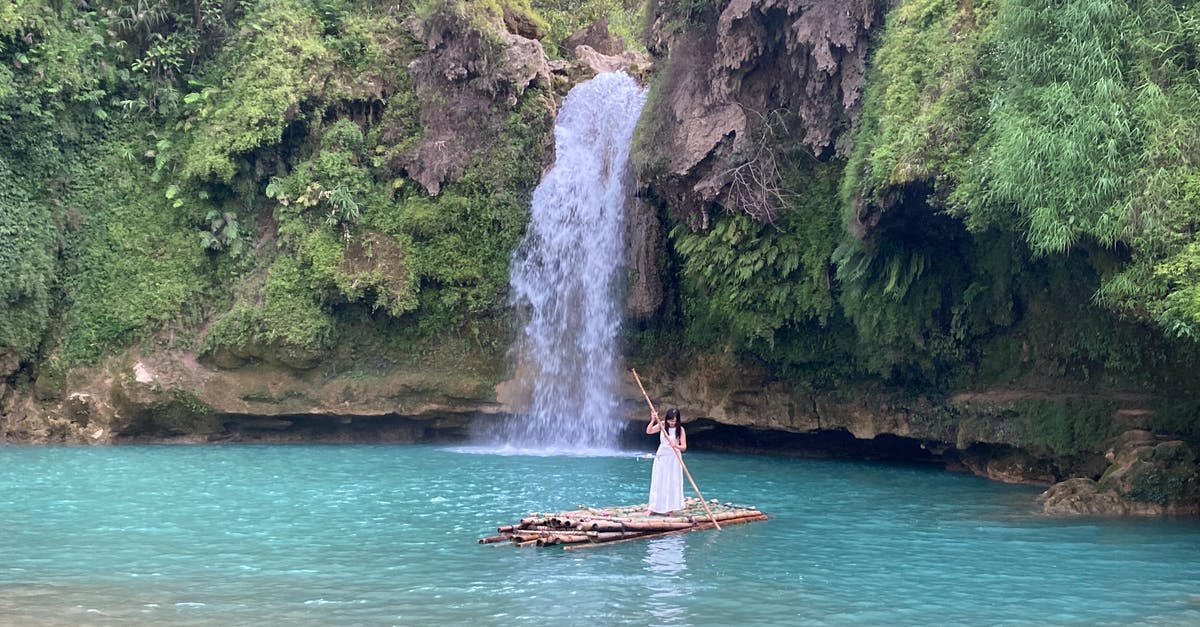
{"type": "Point", "coordinates": [1015, 435]}
{"type": "Point", "coordinates": [170, 397]}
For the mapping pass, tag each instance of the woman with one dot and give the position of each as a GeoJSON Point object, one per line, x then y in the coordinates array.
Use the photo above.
{"type": "Point", "coordinates": [666, 480]}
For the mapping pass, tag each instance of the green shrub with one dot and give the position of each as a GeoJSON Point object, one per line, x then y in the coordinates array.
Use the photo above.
{"type": "Point", "coordinates": [138, 264]}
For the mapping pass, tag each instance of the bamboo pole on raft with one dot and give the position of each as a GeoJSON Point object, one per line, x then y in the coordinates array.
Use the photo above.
{"type": "Point", "coordinates": [678, 455]}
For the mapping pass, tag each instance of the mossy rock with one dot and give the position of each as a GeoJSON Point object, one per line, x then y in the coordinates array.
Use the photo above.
{"type": "Point", "coordinates": [145, 412]}
{"type": "Point", "coordinates": [1147, 475]}
{"type": "Point", "coordinates": [1162, 473]}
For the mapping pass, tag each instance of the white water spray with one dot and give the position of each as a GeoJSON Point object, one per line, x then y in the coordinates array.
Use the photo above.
{"type": "Point", "coordinates": [564, 276]}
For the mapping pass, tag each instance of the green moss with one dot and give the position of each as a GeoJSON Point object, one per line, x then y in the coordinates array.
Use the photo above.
{"type": "Point", "coordinates": [323, 250]}
{"type": "Point", "coordinates": [296, 57]}
{"type": "Point", "coordinates": [238, 327]}
{"type": "Point", "coordinates": [292, 312]}
{"type": "Point", "coordinates": [1066, 426]}
{"type": "Point", "coordinates": [139, 267]}
{"type": "Point", "coordinates": [471, 354]}
{"type": "Point", "coordinates": [923, 106]}
{"type": "Point", "coordinates": [265, 396]}
{"type": "Point", "coordinates": [372, 268]}
{"type": "Point", "coordinates": [28, 239]}
{"type": "Point", "coordinates": [262, 82]}
{"type": "Point", "coordinates": [1177, 416]}
{"type": "Point", "coordinates": [649, 135]}
{"type": "Point", "coordinates": [292, 318]}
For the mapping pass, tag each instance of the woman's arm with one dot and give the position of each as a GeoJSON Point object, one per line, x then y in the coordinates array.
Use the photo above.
{"type": "Point", "coordinates": [682, 446]}
{"type": "Point", "coordinates": [655, 425]}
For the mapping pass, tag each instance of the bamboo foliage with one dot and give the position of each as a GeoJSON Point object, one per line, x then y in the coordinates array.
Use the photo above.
{"type": "Point", "coordinates": [1071, 125]}
{"type": "Point", "coordinates": [1163, 280]}
{"type": "Point", "coordinates": [1060, 150]}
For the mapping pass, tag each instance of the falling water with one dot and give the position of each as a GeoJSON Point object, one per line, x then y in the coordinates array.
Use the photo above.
{"type": "Point", "coordinates": [564, 276]}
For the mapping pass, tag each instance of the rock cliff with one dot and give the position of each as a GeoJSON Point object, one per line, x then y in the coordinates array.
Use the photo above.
{"type": "Point", "coordinates": [753, 72]}
{"type": "Point", "coordinates": [760, 71]}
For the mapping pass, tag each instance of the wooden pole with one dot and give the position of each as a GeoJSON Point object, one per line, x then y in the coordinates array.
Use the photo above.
{"type": "Point", "coordinates": [678, 455]}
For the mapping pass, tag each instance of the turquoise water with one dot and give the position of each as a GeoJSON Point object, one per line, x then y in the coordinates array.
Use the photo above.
{"type": "Point", "coordinates": [383, 535]}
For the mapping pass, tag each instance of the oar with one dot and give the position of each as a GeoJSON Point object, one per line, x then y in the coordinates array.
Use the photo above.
{"type": "Point", "coordinates": [654, 415]}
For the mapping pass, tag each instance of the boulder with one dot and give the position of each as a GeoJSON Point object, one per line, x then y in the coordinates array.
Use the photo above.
{"type": "Point", "coordinates": [1148, 475]}
{"type": "Point", "coordinates": [589, 62]}
{"type": "Point", "coordinates": [596, 37]}
{"type": "Point", "coordinates": [1079, 496]}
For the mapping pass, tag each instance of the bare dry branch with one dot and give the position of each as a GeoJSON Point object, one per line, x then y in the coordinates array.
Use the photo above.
{"type": "Point", "coordinates": [754, 185]}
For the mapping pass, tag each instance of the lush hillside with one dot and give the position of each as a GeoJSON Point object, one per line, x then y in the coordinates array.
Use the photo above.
{"type": "Point", "coordinates": [923, 197]}
{"type": "Point", "coordinates": [241, 177]}
{"type": "Point", "coordinates": [1006, 198]}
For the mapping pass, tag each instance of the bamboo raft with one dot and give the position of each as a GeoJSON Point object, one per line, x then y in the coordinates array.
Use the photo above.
{"type": "Point", "coordinates": [589, 526]}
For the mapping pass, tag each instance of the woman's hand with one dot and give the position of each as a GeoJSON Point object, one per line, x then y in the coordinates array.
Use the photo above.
{"type": "Point", "coordinates": [655, 425]}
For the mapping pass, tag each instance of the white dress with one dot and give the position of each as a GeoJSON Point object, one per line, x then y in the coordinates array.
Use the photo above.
{"type": "Point", "coordinates": [666, 480]}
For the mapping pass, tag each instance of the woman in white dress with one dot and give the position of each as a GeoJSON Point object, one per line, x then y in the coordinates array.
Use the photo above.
{"type": "Point", "coordinates": [666, 480]}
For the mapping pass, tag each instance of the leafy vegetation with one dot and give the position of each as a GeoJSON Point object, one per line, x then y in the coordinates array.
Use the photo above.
{"type": "Point", "coordinates": [1069, 127]}
{"type": "Point", "coordinates": [234, 174]}
{"type": "Point", "coordinates": [927, 73]}
{"type": "Point", "coordinates": [1060, 148]}
{"type": "Point", "coordinates": [1017, 163]}
{"type": "Point", "coordinates": [136, 265]}
{"type": "Point", "coordinates": [351, 231]}
{"type": "Point", "coordinates": [255, 88]}
{"type": "Point", "coordinates": [1069, 426]}
{"type": "Point", "coordinates": [180, 162]}
{"type": "Point", "coordinates": [624, 18]}
{"type": "Point", "coordinates": [758, 279]}
{"type": "Point", "coordinates": [28, 240]}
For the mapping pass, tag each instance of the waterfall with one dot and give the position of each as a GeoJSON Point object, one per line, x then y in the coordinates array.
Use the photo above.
{"type": "Point", "coordinates": [565, 281]}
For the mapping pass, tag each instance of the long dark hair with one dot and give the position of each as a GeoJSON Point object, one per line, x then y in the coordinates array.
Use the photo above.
{"type": "Point", "coordinates": [673, 413]}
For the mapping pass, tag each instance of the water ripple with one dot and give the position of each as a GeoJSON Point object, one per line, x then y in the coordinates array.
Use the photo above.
{"type": "Point", "coordinates": [386, 535]}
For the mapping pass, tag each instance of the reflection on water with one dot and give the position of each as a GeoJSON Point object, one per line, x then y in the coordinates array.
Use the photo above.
{"type": "Point", "coordinates": [664, 556]}
{"type": "Point", "coordinates": [665, 567]}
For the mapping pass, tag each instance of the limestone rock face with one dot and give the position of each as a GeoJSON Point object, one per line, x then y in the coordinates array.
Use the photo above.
{"type": "Point", "coordinates": [170, 396]}
{"type": "Point", "coordinates": [519, 23]}
{"type": "Point", "coordinates": [1008, 464]}
{"type": "Point", "coordinates": [643, 234]}
{"type": "Point", "coordinates": [1080, 496]}
{"type": "Point", "coordinates": [458, 82]}
{"type": "Point", "coordinates": [727, 87]}
{"type": "Point", "coordinates": [595, 50]}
